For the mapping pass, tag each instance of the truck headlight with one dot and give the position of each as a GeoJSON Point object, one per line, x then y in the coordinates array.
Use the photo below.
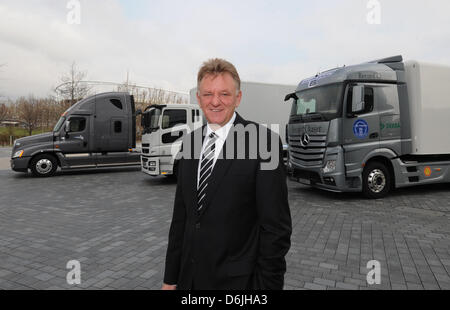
{"type": "Point", "coordinates": [18, 154]}
{"type": "Point", "coordinates": [330, 166]}
{"type": "Point", "coordinates": [152, 164]}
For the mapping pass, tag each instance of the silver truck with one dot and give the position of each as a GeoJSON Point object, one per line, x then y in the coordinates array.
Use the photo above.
{"type": "Point", "coordinates": [99, 131]}
{"type": "Point", "coordinates": [371, 127]}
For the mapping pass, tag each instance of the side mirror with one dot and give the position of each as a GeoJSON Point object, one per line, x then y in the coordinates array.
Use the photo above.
{"type": "Point", "coordinates": [358, 104]}
{"type": "Point", "coordinates": [291, 96]}
{"type": "Point", "coordinates": [138, 112]}
{"type": "Point", "coordinates": [67, 127]}
{"type": "Point", "coordinates": [143, 120]}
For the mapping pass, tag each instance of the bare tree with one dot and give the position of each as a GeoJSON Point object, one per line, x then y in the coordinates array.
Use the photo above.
{"type": "Point", "coordinates": [72, 87]}
{"type": "Point", "coordinates": [29, 112]}
{"type": "Point", "coordinates": [50, 112]}
{"type": "Point", "coordinates": [3, 112]}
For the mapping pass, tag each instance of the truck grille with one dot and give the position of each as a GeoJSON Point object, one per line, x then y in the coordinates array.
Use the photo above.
{"type": "Point", "coordinates": [309, 155]}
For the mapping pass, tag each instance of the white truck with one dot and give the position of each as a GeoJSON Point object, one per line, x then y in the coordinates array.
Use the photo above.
{"type": "Point", "coordinates": [371, 127]}
{"type": "Point", "coordinates": [165, 125]}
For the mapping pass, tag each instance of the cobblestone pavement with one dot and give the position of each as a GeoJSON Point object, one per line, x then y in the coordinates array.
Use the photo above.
{"type": "Point", "coordinates": [5, 155]}
{"type": "Point", "coordinates": [5, 152]}
{"type": "Point", "coordinates": [116, 221]}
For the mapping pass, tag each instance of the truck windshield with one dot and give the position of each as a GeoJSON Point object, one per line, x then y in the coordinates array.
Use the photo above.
{"type": "Point", "coordinates": [319, 103]}
{"type": "Point", "coordinates": [150, 120]}
{"type": "Point", "coordinates": [59, 124]}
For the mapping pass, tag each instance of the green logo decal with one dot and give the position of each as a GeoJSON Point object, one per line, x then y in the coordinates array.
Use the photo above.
{"type": "Point", "coordinates": [389, 125]}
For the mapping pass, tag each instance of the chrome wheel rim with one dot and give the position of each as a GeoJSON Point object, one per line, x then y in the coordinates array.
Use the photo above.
{"type": "Point", "coordinates": [44, 166]}
{"type": "Point", "coordinates": [376, 181]}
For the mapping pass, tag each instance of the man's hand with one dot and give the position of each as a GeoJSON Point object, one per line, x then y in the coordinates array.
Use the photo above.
{"type": "Point", "coordinates": [167, 287]}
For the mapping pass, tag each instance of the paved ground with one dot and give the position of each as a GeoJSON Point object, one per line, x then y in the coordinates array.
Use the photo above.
{"type": "Point", "coordinates": [116, 221]}
{"type": "Point", "coordinates": [5, 155]}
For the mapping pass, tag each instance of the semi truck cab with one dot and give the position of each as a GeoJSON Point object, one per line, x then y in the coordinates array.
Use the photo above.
{"type": "Point", "coordinates": [371, 127]}
{"type": "Point", "coordinates": [350, 129]}
{"type": "Point", "coordinates": [164, 128]}
{"type": "Point", "coordinates": [99, 131]}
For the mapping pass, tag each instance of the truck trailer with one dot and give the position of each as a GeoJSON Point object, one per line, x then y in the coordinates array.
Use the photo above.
{"type": "Point", "coordinates": [371, 127]}
{"type": "Point", "coordinates": [99, 131]}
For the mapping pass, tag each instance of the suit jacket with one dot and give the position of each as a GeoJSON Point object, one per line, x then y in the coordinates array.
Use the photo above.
{"type": "Point", "coordinates": [241, 236]}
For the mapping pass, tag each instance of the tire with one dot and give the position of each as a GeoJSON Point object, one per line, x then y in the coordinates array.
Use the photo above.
{"type": "Point", "coordinates": [377, 180]}
{"type": "Point", "coordinates": [44, 165]}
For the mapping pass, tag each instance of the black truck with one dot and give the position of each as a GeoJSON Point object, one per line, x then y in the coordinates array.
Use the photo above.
{"type": "Point", "coordinates": [99, 131]}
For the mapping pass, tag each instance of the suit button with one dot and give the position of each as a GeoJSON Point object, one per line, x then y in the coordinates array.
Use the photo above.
{"type": "Point", "coordinates": [197, 225]}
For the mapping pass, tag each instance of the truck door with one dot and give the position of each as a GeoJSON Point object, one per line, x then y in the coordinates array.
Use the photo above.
{"type": "Point", "coordinates": [361, 130]}
{"type": "Point", "coordinates": [74, 143]}
{"type": "Point", "coordinates": [173, 128]}
{"type": "Point", "coordinates": [119, 132]}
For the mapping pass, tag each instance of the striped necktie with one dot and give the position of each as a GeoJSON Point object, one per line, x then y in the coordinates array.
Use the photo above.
{"type": "Point", "coordinates": [206, 168]}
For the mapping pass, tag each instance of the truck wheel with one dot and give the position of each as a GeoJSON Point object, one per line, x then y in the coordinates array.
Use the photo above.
{"type": "Point", "coordinates": [44, 165]}
{"type": "Point", "coordinates": [376, 180]}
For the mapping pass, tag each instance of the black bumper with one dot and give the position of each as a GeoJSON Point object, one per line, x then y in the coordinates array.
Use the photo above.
{"type": "Point", "coordinates": [296, 174]}
{"type": "Point", "coordinates": [20, 164]}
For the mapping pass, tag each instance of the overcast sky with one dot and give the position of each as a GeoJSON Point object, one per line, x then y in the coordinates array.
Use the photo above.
{"type": "Point", "coordinates": [163, 43]}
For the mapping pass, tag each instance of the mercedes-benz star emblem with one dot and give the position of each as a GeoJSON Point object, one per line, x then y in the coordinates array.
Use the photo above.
{"type": "Point", "coordinates": [305, 139]}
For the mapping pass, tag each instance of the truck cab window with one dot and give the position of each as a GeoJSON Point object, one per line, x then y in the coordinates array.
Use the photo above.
{"type": "Point", "coordinates": [172, 118]}
{"type": "Point", "coordinates": [117, 103]}
{"type": "Point", "coordinates": [77, 124]}
{"type": "Point", "coordinates": [117, 126]}
{"type": "Point", "coordinates": [60, 123]}
{"type": "Point", "coordinates": [368, 99]}
{"type": "Point", "coordinates": [316, 103]}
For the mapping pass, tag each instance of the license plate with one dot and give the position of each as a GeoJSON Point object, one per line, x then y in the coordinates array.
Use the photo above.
{"type": "Point", "coordinates": [305, 181]}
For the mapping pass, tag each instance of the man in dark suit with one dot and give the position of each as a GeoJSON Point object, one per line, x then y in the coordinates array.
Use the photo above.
{"type": "Point", "coordinates": [231, 223]}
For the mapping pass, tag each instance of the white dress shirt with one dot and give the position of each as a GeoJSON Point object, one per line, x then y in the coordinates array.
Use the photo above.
{"type": "Point", "coordinates": [222, 134]}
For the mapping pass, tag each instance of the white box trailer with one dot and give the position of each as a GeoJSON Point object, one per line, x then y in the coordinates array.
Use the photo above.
{"type": "Point", "coordinates": [262, 103]}
{"type": "Point", "coordinates": [429, 98]}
